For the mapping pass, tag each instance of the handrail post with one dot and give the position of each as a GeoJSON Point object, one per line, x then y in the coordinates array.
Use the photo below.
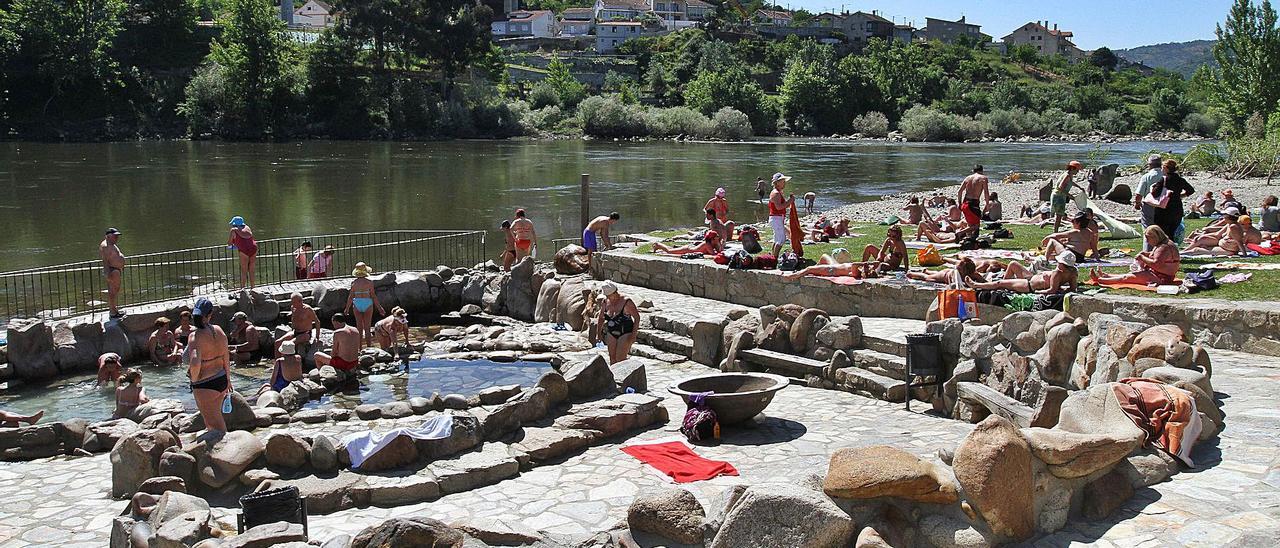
{"type": "Point", "coordinates": [585, 201]}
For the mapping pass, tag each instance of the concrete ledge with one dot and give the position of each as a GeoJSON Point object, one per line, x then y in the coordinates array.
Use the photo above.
{"type": "Point", "coordinates": [1249, 326]}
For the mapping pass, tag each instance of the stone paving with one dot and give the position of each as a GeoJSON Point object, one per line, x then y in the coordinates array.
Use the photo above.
{"type": "Point", "coordinates": [1233, 499]}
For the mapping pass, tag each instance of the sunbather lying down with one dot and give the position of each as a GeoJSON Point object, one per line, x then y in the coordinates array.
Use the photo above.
{"type": "Point", "coordinates": [1019, 279]}
{"type": "Point", "coordinates": [831, 270]}
{"type": "Point", "coordinates": [1156, 267]}
{"type": "Point", "coordinates": [964, 274]}
{"type": "Point", "coordinates": [709, 246]}
{"type": "Point", "coordinates": [1227, 240]}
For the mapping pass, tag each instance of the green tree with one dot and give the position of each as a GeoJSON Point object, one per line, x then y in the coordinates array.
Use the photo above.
{"type": "Point", "coordinates": [904, 74]}
{"type": "Point", "coordinates": [731, 87]}
{"type": "Point", "coordinates": [377, 22]}
{"type": "Point", "coordinates": [567, 88]}
{"type": "Point", "coordinates": [1104, 58]}
{"type": "Point", "coordinates": [1168, 109]}
{"type": "Point", "coordinates": [1247, 79]}
{"type": "Point", "coordinates": [256, 57]}
{"type": "Point", "coordinates": [1023, 53]}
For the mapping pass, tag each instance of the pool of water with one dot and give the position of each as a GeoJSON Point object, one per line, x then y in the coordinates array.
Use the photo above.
{"type": "Point", "coordinates": [76, 396]}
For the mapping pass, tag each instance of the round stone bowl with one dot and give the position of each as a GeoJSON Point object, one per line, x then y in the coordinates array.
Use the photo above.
{"type": "Point", "coordinates": [737, 396]}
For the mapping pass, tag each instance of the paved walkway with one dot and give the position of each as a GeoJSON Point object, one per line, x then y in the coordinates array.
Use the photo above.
{"type": "Point", "coordinates": [1233, 500]}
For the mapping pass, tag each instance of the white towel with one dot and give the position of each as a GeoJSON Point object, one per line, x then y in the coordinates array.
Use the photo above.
{"type": "Point", "coordinates": [363, 445]}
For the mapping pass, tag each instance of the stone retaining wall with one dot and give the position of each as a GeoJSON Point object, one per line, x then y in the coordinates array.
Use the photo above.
{"type": "Point", "coordinates": [1250, 326]}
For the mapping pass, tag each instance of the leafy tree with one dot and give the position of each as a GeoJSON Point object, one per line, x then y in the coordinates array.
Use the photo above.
{"type": "Point", "coordinates": [1104, 58]}
{"type": "Point", "coordinates": [731, 87]}
{"type": "Point", "coordinates": [377, 22]}
{"type": "Point", "coordinates": [256, 57]}
{"type": "Point", "coordinates": [1023, 53]}
{"type": "Point", "coordinates": [904, 74]}
{"type": "Point", "coordinates": [1168, 108]}
{"type": "Point", "coordinates": [567, 88]}
{"type": "Point", "coordinates": [1009, 95]}
{"type": "Point", "coordinates": [1247, 79]}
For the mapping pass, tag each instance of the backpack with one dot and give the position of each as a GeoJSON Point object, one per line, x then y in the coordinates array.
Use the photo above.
{"type": "Point", "coordinates": [986, 241]}
{"type": "Point", "coordinates": [788, 261]}
{"type": "Point", "coordinates": [699, 421]}
{"type": "Point", "coordinates": [750, 238]}
{"type": "Point", "coordinates": [1200, 281]}
{"type": "Point", "coordinates": [740, 260]}
{"type": "Point", "coordinates": [968, 244]}
{"type": "Point", "coordinates": [1003, 233]}
{"type": "Point", "coordinates": [766, 261]}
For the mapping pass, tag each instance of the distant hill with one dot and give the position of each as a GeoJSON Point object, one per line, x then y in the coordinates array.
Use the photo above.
{"type": "Point", "coordinates": [1184, 57]}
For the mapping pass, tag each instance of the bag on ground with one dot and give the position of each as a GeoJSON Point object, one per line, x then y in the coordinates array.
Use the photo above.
{"type": "Point", "coordinates": [929, 256]}
{"type": "Point", "coordinates": [949, 301]}
{"type": "Point", "coordinates": [788, 261]}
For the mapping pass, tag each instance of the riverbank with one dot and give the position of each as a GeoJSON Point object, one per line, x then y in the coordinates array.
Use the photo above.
{"type": "Point", "coordinates": [1013, 196]}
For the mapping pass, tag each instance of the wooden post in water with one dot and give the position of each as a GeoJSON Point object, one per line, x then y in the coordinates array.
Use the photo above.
{"type": "Point", "coordinates": [584, 201]}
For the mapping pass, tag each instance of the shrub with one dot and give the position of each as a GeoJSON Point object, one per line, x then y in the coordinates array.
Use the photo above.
{"type": "Point", "coordinates": [1114, 121]}
{"type": "Point", "coordinates": [871, 124]}
{"type": "Point", "coordinates": [731, 125]}
{"type": "Point", "coordinates": [543, 95]}
{"type": "Point", "coordinates": [455, 118]}
{"type": "Point", "coordinates": [205, 99]}
{"type": "Point", "coordinates": [610, 117]}
{"type": "Point", "coordinates": [920, 123]}
{"type": "Point", "coordinates": [1200, 124]}
{"type": "Point", "coordinates": [493, 117]}
{"type": "Point", "coordinates": [1010, 123]}
{"type": "Point", "coordinates": [670, 122]}
{"type": "Point", "coordinates": [543, 119]}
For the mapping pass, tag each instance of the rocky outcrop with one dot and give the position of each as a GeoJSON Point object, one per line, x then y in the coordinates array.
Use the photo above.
{"type": "Point", "coordinates": [572, 259]}
{"type": "Point", "coordinates": [221, 461]}
{"type": "Point", "coordinates": [30, 349]}
{"type": "Point", "coordinates": [883, 471]}
{"type": "Point", "coordinates": [993, 465]}
{"type": "Point", "coordinates": [548, 297]}
{"type": "Point", "coordinates": [630, 373]}
{"type": "Point", "coordinates": [409, 532]}
{"type": "Point", "coordinates": [783, 515]}
{"type": "Point", "coordinates": [1073, 455]}
{"type": "Point", "coordinates": [136, 458]}
{"type": "Point", "coordinates": [589, 377]}
{"type": "Point", "coordinates": [668, 512]}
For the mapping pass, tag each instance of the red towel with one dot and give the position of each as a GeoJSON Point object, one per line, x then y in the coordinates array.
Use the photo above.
{"type": "Point", "coordinates": [675, 459]}
{"type": "Point", "coordinates": [1273, 250]}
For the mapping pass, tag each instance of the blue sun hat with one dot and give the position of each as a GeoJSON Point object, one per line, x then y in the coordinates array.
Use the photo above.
{"type": "Point", "coordinates": [237, 221]}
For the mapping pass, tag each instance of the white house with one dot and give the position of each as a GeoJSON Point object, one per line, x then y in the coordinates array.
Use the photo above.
{"type": "Point", "coordinates": [577, 21]}
{"type": "Point", "coordinates": [773, 17]}
{"type": "Point", "coordinates": [620, 9]}
{"type": "Point", "coordinates": [315, 13]}
{"type": "Point", "coordinates": [539, 23]}
{"type": "Point", "coordinates": [1046, 41]}
{"type": "Point", "coordinates": [611, 34]}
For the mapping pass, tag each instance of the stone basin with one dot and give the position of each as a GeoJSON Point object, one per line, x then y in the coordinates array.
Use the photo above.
{"type": "Point", "coordinates": [737, 396]}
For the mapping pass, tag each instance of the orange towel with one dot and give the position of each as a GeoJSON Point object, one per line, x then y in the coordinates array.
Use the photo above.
{"type": "Point", "coordinates": [1167, 414]}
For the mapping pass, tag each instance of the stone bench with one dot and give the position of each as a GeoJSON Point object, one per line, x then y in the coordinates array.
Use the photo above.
{"type": "Point", "coordinates": [1023, 415]}
{"type": "Point", "coordinates": [795, 365]}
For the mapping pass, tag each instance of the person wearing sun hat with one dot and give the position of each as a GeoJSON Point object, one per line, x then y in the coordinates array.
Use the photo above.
{"type": "Point", "coordinates": [387, 328]}
{"type": "Point", "coordinates": [778, 212]}
{"type": "Point", "coordinates": [319, 266]}
{"type": "Point", "coordinates": [288, 368]}
{"type": "Point", "coordinates": [363, 298]}
{"type": "Point", "coordinates": [1062, 193]}
{"type": "Point", "coordinates": [112, 269]}
{"type": "Point", "coordinates": [241, 239]}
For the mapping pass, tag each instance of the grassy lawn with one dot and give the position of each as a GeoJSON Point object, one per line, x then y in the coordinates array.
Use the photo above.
{"type": "Point", "coordinates": [1263, 286]}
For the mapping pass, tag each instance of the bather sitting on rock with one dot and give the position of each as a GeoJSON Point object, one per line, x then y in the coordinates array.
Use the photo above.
{"type": "Point", "coordinates": [9, 419]}
{"type": "Point", "coordinates": [243, 339]}
{"type": "Point", "coordinates": [163, 344]}
{"type": "Point", "coordinates": [345, 355]}
{"type": "Point", "coordinates": [1159, 266]}
{"type": "Point", "coordinates": [709, 246]}
{"type": "Point", "coordinates": [892, 254]}
{"type": "Point", "coordinates": [288, 368]}
{"type": "Point", "coordinates": [1017, 278]}
{"type": "Point", "coordinates": [1228, 240]}
{"type": "Point", "coordinates": [965, 274]}
{"type": "Point", "coordinates": [1080, 240]}
{"type": "Point", "coordinates": [129, 394]}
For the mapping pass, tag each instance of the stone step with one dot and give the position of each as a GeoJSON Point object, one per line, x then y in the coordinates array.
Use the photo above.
{"type": "Point", "coordinates": [676, 323]}
{"type": "Point", "coordinates": [787, 363]}
{"type": "Point", "coordinates": [866, 383]}
{"type": "Point", "coordinates": [646, 351]}
{"type": "Point", "coordinates": [889, 335]}
{"type": "Point", "coordinates": [880, 363]}
{"type": "Point", "coordinates": [667, 342]}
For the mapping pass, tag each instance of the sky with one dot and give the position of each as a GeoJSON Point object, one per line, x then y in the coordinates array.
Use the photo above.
{"type": "Point", "coordinates": [1117, 24]}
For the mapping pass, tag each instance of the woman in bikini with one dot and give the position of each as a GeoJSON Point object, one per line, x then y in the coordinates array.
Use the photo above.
{"type": "Point", "coordinates": [364, 298]}
{"type": "Point", "coordinates": [937, 236]}
{"type": "Point", "coordinates": [709, 246]}
{"type": "Point", "coordinates": [1156, 267]}
{"type": "Point", "coordinates": [834, 269]}
{"type": "Point", "coordinates": [209, 367]}
{"type": "Point", "coordinates": [129, 394]}
{"type": "Point", "coordinates": [185, 329]}
{"type": "Point", "coordinates": [1228, 240]}
{"type": "Point", "coordinates": [1051, 282]}
{"type": "Point", "coordinates": [387, 328]}
{"type": "Point", "coordinates": [618, 322]}
{"type": "Point", "coordinates": [892, 254]}
{"type": "Point", "coordinates": [163, 345]}
{"type": "Point", "coordinates": [965, 274]}
{"type": "Point", "coordinates": [509, 246]}
{"type": "Point", "coordinates": [241, 239]}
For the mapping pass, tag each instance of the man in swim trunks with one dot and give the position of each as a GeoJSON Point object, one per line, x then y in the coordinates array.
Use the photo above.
{"type": "Point", "coordinates": [345, 355]}
{"type": "Point", "coordinates": [305, 324]}
{"type": "Point", "coordinates": [112, 269]}
{"type": "Point", "coordinates": [1062, 193]}
{"type": "Point", "coordinates": [778, 212]}
{"type": "Point", "coordinates": [1079, 241]}
{"type": "Point", "coordinates": [525, 235]}
{"type": "Point", "coordinates": [597, 232]}
{"type": "Point", "coordinates": [243, 339]}
{"type": "Point", "coordinates": [975, 193]}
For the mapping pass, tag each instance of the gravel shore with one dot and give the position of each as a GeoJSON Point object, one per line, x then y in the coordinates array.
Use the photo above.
{"type": "Point", "coordinates": [1015, 195]}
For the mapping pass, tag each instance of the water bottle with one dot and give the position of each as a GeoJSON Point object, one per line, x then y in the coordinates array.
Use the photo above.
{"type": "Point", "coordinates": [961, 312]}
{"type": "Point", "coordinates": [226, 404]}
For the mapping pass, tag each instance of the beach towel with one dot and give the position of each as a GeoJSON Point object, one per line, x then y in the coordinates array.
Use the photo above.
{"type": "Point", "coordinates": [914, 244]}
{"type": "Point", "coordinates": [677, 461]}
{"type": "Point", "coordinates": [845, 280]}
{"type": "Point", "coordinates": [363, 445]}
{"type": "Point", "coordinates": [1117, 229]}
{"type": "Point", "coordinates": [1167, 414]}
{"type": "Point", "coordinates": [1135, 287]}
{"type": "Point", "coordinates": [1265, 249]}
{"type": "Point", "coordinates": [1207, 254]}
{"type": "Point", "coordinates": [1234, 265]}
{"type": "Point", "coordinates": [797, 233]}
{"type": "Point", "coordinates": [993, 254]}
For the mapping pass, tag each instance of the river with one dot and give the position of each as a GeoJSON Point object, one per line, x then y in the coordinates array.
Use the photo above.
{"type": "Point", "coordinates": [58, 198]}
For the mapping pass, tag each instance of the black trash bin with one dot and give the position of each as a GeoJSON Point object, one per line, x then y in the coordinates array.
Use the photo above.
{"type": "Point", "coordinates": [270, 506]}
{"type": "Point", "coordinates": [924, 359]}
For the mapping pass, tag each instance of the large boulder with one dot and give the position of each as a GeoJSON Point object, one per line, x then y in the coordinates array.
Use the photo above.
{"type": "Point", "coordinates": [1058, 354]}
{"type": "Point", "coordinates": [630, 373]}
{"type": "Point", "coordinates": [136, 458]}
{"type": "Point", "coordinates": [589, 377]}
{"type": "Point", "coordinates": [784, 515]}
{"type": "Point", "coordinates": [1165, 342]}
{"type": "Point", "coordinates": [544, 444]}
{"type": "Point", "coordinates": [327, 494]}
{"type": "Point", "coordinates": [841, 333]}
{"type": "Point", "coordinates": [409, 532]}
{"type": "Point", "coordinates": [220, 462]}
{"type": "Point", "coordinates": [978, 342]}
{"type": "Point", "coordinates": [993, 465]}
{"type": "Point", "coordinates": [883, 471]}
{"type": "Point", "coordinates": [1073, 455]}
{"type": "Point", "coordinates": [548, 296]}
{"type": "Point", "coordinates": [1023, 330]}
{"type": "Point", "coordinates": [571, 302]}
{"type": "Point", "coordinates": [30, 349]}
{"type": "Point", "coordinates": [746, 323]}
{"type": "Point", "coordinates": [518, 297]}
{"type": "Point", "coordinates": [1096, 411]}
{"type": "Point", "coordinates": [77, 347]}
{"type": "Point", "coordinates": [572, 259]}
{"type": "Point", "coordinates": [241, 416]}
{"type": "Point", "coordinates": [102, 436]}
{"type": "Point", "coordinates": [401, 451]}
{"type": "Point", "coordinates": [466, 434]}
{"type": "Point", "coordinates": [413, 292]}
{"type": "Point", "coordinates": [706, 341]}
{"type": "Point", "coordinates": [802, 329]}
{"type": "Point", "coordinates": [1120, 194]}
{"type": "Point", "coordinates": [668, 512]}
{"type": "Point", "coordinates": [173, 504]}
{"type": "Point", "coordinates": [1174, 375]}
{"type": "Point", "coordinates": [324, 453]}
{"type": "Point", "coordinates": [184, 530]}
{"type": "Point", "coordinates": [268, 535]}
{"type": "Point", "coordinates": [556, 387]}
{"type": "Point", "coordinates": [287, 450]}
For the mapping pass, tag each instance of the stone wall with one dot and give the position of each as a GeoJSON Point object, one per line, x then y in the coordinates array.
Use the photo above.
{"type": "Point", "coordinates": [1248, 326]}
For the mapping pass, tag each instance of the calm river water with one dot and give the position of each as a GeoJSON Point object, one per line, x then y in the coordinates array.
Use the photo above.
{"type": "Point", "coordinates": [58, 198]}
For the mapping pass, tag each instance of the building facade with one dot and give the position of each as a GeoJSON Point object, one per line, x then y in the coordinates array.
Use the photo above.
{"type": "Point", "coordinates": [540, 23]}
{"type": "Point", "coordinates": [577, 21]}
{"type": "Point", "coordinates": [947, 32]}
{"type": "Point", "coordinates": [613, 33]}
{"type": "Point", "coordinates": [1046, 40]}
{"type": "Point", "coordinates": [314, 13]}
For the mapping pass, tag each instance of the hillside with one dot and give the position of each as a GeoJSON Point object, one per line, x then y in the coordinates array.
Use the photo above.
{"type": "Point", "coordinates": [1183, 58]}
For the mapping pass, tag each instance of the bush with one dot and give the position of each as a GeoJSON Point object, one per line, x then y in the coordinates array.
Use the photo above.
{"type": "Point", "coordinates": [1012, 123]}
{"type": "Point", "coordinates": [205, 100]}
{"type": "Point", "coordinates": [543, 95]}
{"type": "Point", "coordinates": [1200, 124]}
{"type": "Point", "coordinates": [731, 125]}
{"type": "Point", "coordinates": [920, 123]}
{"type": "Point", "coordinates": [610, 117]}
{"type": "Point", "coordinates": [670, 122]}
{"type": "Point", "coordinates": [543, 119]}
{"type": "Point", "coordinates": [1114, 121]}
{"type": "Point", "coordinates": [871, 124]}
{"type": "Point", "coordinates": [1067, 123]}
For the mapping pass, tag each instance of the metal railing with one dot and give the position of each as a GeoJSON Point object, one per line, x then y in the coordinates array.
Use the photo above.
{"type": "Point", "coordinates": [79, 288]}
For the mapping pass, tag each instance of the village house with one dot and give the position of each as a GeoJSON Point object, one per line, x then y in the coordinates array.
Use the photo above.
{"type": "Point", "coordinates": [772, 17]}
{"type": "Point", "coordinates": [577, 21]}
{"type": "Point", "coordinates": [947, 32]}
{"type": "Point", "coordinates": [314, 13]}
{"type": "Point", "coordinates": [1047, 41]}
{"type": "Point", "coordinates": [612, 33]}
{"type": "Point", "coordinates": [539, 23]}
{"type": "Point", "coordinates": [626, 10]}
